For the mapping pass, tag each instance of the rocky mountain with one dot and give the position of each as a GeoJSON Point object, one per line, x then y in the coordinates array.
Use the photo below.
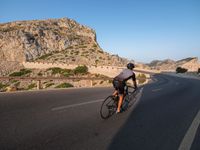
{"type": "Point", "coordinates": [191, 63]}
{"type": "Point", "coordinates": [53, 40]}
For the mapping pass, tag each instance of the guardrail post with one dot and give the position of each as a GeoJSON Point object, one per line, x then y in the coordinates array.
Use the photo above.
{"type": "Point", "coordinates": [91, 83]}
{"type": "Point", "coordinates": [38, 84]}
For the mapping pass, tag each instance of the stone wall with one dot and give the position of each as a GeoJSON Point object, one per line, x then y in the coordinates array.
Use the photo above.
{"type": "Point", "coordinates": [109, 71]}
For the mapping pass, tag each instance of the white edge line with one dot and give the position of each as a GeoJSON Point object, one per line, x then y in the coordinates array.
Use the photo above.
{"type": "Point", "coordinates": [155, 90]}
{"type": "Point", "coordinates": [75, 105]}
{"type": "Point", "coordinates": [191, 133]}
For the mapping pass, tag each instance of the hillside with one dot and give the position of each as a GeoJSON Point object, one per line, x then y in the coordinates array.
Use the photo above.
{"type": "Point", "coordinates": [53, 40]}
{"type": "Point", "coordinates": [191, 63]}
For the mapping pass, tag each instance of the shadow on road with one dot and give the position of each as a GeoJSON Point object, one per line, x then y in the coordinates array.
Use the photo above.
{"type": "Point", "coordinates": [160, 120]}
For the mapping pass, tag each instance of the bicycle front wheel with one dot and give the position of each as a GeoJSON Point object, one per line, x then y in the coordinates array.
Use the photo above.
{"type": "Point", "coordinates": [108, 107]}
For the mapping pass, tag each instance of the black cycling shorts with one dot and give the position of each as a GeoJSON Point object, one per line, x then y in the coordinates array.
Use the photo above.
{"type": "Point", "coordinates": [119, 86]}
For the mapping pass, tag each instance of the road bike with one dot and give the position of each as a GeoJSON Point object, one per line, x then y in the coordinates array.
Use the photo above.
{"type": "Point", "coordinates": [109, 105]}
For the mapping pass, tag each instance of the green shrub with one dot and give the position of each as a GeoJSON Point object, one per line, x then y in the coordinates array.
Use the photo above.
{"type": "Point", "coordinates": [39, 74]}
{"type": "Point", "coordinates": [94, 45]}
{"type": "Point", "coordinates": [20, 73]}
{"type": "Point", "coordinates": [13, 81]}
{"type": "Point", "coordinates": [64, 85]}
{"type": "Point", "coordinates": [70, 47]}
{"type": "Point", "coordinates": [49, 84]}
{"type": "Point", "coordinates": [101, 82]}
{"type": "Point", "coordinates": [31, 86]}
{"type": "Point", "coordinates": [55, 70]}
{"type": "Point", "coordinates": [82, 46]}
{"type": "Point", "coordinates": [1, 85]}
{"type": "Point", "coordinates": [17, 84]}
{"type": "Point", "coordinates": [180, 70]}
{"type": "Point", "coordinates": [141, 78]}
{"type": "Point", "coordinates": [81, 70]}
{"type": "Point", "coordinates": [45, 56]}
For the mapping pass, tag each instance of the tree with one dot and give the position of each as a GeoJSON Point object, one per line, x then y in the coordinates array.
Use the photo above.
{"type": "Point", "coordinates": [181, 70]}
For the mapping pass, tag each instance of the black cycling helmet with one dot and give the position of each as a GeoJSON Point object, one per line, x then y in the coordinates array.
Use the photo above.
{"type": "Point", "coordinates": [130, 66]}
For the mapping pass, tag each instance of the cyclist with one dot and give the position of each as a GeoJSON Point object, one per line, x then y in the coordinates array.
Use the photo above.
{"type": "Point", "coordinates": [119, 83]}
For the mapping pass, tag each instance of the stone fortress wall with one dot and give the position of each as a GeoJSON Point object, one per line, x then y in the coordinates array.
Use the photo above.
{"type": "Point", "coordinates": [109, 71]}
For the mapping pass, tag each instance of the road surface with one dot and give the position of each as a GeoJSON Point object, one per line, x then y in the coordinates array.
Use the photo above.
{"type": "Point", "coordinates": [167, 117]}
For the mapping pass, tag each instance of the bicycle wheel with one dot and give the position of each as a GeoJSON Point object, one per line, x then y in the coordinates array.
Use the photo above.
{"type": "Point", "coordinates": [125, 103]}
{"type": "Point", "coordinates": [108, 107]}
{"type": "Point", "coordinates": [132, 100]}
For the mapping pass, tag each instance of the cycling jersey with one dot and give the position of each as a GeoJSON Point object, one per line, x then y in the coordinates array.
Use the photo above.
{"type": "Point", "coordinates": [119, 81]}
{"type": "Point", "coordinates": [125, 75]}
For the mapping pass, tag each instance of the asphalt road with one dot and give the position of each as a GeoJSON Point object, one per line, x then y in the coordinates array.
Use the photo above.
{"type": "Point", "coordinates": [167, 117]}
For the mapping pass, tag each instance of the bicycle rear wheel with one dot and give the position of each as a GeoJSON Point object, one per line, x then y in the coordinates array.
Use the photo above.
{"type": "Point", "coordinates": [108, 107]}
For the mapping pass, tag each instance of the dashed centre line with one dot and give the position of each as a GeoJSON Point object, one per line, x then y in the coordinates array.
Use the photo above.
{"type": "Point", "coordinates": [75, 105]}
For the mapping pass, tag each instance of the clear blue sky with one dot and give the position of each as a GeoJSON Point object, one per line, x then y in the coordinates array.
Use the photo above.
{"type": "Point", "coordinates": [142, 30]}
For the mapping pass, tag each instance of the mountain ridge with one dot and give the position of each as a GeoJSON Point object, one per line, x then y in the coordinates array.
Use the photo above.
{"type": "Point", "coordinates": [190, 63]}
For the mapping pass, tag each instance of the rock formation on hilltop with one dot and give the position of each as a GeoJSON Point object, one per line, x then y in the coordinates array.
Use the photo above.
{"type": "Point", "coordinates": [53, 40]}
{"type": "Point", "coordinates": [28, 40]}
{"type": "Point", "coordinates": [191, 63]}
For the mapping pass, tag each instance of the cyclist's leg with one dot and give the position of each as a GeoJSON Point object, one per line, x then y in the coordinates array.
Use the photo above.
{"type": "Point", "coordinates": [121, 96]}
{"type": "Point", "coordinates": [116, 86]}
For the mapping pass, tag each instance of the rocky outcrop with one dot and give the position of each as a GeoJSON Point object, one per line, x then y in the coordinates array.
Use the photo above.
{"type": "Point", "coordinates": [7, 67]}
{"type": "Point", "coordinates": [53, 41]}
{"type": "Point", "coordinates": [28, 40]}
{"type": "Point", "coordinates": [191, 63]}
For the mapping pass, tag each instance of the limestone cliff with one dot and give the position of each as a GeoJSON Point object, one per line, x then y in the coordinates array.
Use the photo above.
{"type": "Point", "coordinates": [28, 40]}
{"type": "Point", "coordinates": [53, 40]}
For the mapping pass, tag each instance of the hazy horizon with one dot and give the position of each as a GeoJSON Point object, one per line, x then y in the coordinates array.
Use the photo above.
{"type": "Point", "coordinates": [140, 30]}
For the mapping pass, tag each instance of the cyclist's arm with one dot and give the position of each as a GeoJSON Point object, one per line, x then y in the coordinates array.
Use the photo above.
{"type": "Point", "coordinates": [134, 81]}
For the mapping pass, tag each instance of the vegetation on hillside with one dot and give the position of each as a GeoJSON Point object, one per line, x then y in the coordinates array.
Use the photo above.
{"type": "Point", "coordinates": [20, 73]}
{"type": "Point", "coordinates": [81, 70]}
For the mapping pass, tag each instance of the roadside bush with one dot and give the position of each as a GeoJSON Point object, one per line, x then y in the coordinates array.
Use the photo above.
{"type": "Point", "coordinates": [2, 85]}
{"type": "Point", "coordinates": [39, 74]}
{"type": "Point", "coordinates": [81, 70]}
{"type": "Point", "coordinates": [141, 78]}
{"type": "Point", "coordinates": [17, 84]}
{"type": "Point", "coordinates": [31, 86]}
{"type": "Point", "coordinates": [55, 70]}
{"type": "Point", "coordinates": [20, 73]}
{"type": "Point", "coordinates": [180, 70]}
{"type": "Point", "coordinates": [64, 85]}
{"type": "Point", "coordinates": [49, 84]}
{"type": "Point", "coordinates": [198, 70]}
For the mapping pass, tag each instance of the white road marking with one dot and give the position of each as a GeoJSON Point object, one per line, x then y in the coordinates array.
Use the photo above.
{"type": "Point", "coordinates": [155, 90]}
{"type": "Point", "coordinates": [88, 102]}
{"type": "Point", "coordinates": [75, 105]}
{"type": "Point", "coordinates": [190, 135]}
